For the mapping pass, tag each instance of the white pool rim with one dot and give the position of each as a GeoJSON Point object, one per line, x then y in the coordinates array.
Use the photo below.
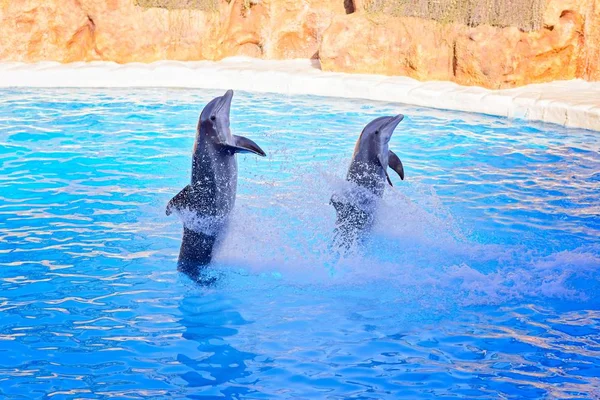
{"type": "Point", "coordinates": [574, 103]}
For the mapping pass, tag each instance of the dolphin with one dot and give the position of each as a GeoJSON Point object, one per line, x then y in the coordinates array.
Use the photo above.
{"type": "Point", "coordinates": [205, 204]}
{"type": "Point", "coordinates": [356, 204]}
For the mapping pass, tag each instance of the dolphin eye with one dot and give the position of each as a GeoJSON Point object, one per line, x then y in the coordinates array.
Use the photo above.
{"type": "Point", "coordinates": [377, 132]}
{"type": "Point", "coordinates": [212, 118]}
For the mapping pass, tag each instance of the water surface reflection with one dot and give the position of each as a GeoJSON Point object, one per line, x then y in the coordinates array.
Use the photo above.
{"type": "Point", "coordinates": [210, 319]}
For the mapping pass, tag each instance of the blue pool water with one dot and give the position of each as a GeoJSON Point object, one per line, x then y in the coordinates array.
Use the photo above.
{"type": "Point", "coordinates": [481, 278]}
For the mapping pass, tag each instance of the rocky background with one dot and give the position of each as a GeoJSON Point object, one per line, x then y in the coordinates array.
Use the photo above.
{"type": "Point", "coordinates": [343, 34]}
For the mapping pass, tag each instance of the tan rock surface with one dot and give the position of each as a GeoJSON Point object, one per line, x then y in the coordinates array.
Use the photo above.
{"type": "Point", "coordinates": [32, 30]}
{"type": "Point", "coordinates": [591, 59]}
{"type": "Point", "coordinates": [499, 58]}
{"type": "Point", "coordinates": [484, 55]}
{"type": "Point", "coordinates": [276, 29]}
{"type": "Point", "coordinates": [117, 30]}
{"type": "Point", "coordinates": [385, 45]}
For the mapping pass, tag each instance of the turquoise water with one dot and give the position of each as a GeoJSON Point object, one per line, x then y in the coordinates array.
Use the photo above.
{"type": "Point", "coordinates": [481, 278]}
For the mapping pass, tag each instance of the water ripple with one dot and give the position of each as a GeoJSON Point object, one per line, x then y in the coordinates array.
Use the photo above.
{"type": "Point", "coordinates": [481, 279]}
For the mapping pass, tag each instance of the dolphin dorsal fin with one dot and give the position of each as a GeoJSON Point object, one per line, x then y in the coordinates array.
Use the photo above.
{"type": "Point", "coordinates": [242, 144]}
{"type": "Point", "coordinates": [395, 164]}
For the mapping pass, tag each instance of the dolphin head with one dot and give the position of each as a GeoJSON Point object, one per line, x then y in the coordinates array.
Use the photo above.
{"type": "Point", "coordinates": [214, 119]}
{"type": "Point", "coordinates": [380, 130]}
{"type": "Point", "coordinates": [375, 137]}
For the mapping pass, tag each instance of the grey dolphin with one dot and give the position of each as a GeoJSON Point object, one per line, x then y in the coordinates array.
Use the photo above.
{"type": "Point", "coordinates": [207, 201]}
{"type": "Point", "coordinates": [356, 205]}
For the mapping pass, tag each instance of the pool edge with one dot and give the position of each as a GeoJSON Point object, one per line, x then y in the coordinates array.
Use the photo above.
{"type": "Point", "coordinates": [574, 103]}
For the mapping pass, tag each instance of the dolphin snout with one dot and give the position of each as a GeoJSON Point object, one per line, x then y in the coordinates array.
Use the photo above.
{"type": "Point", "coordinates": [228, 95]}
{"type": "Point", "coordinates": [226, 102]}
{"type": "Point", "coordinates": [393, 123]}
{"type": "Point", "coordinates": [388, 128]}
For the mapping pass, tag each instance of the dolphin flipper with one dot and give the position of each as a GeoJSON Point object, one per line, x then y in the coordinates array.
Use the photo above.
{"type": "Point", "coordinates": [384, 169]}
{"type": "Point", "coordinates": [335, 203]}
{"type": "Point", "coordinates": [388, 178]}
{"type": "Point", "coordinates": [245, 145]}
{"type": "Point", "coordinates": [396, 165]}
{"type": "Point", "coordinates": [180, 200]}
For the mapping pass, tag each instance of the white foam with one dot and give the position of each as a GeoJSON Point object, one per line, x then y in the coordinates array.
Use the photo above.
{"type": "Point", "coordinates": [416, 249]}
{"type": "Point", "coordinates": [573, 103]}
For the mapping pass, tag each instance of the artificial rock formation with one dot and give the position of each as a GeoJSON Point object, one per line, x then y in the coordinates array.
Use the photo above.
{"type": "Point", "coordinates": [339, 32]}
{"type": "Point", "coordinates": [567, 47]}
{"type": "Point", "coordinates": [118, 30]}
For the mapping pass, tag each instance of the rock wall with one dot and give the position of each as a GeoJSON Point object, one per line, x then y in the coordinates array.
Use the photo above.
{"type": "Point", "coordinates": [339, 32]}
{"type": "Point", "coordinates": [118, 30]}
{"type": "Point", "coordinates": [567, 47]}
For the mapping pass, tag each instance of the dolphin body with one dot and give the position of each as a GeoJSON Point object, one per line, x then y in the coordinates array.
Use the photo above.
{"type": "Point", "coordinates": [205, 204]}
{"type": "Point", "coordinates": [356, 204]}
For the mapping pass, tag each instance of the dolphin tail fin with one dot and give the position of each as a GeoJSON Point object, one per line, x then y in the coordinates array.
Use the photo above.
{"type": "Point", "coordinates": [244, 145]}
{"type": "Point", "coordinates": [395, 164]}
{"type": "Point", "coordinates": [180, 200]}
